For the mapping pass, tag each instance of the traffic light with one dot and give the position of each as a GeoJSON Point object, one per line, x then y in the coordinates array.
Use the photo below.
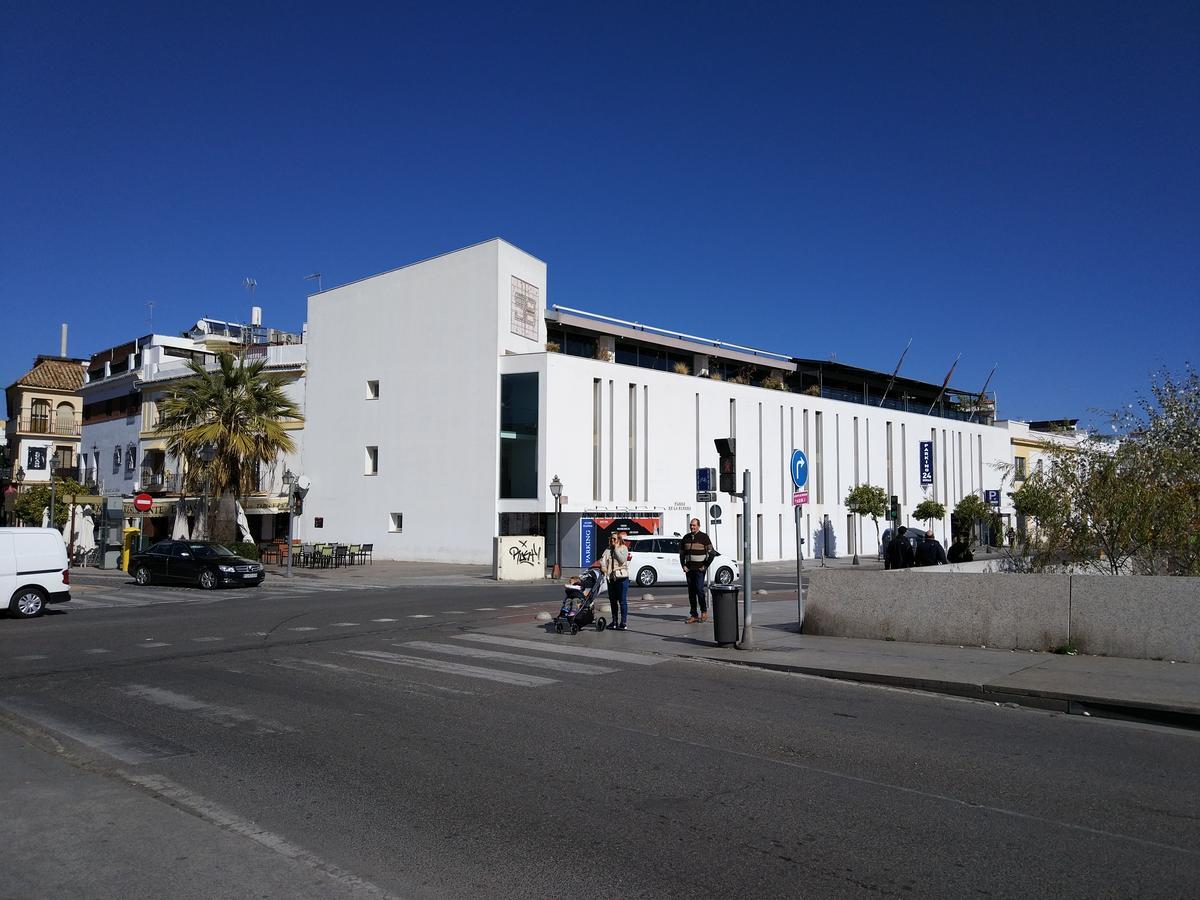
{"type": "Point", "coordinates": [727, 465]}
{"type": "Point", "coordinates": [894, 514]}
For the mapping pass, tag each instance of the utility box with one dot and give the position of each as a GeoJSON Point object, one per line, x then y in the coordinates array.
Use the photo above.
{"type": "Point", "coordinates": [520, 557]}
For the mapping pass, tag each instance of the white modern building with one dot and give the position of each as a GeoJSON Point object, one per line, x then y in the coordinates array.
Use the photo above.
{"type": "Point", "coordinates": [444, 396]}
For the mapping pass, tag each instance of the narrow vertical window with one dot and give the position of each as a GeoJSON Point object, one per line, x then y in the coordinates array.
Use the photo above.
{"type": "Point", "coordinates": [519, 436]}
{"type": "Point", "coordinates": [819, 456]}
{"type": "Point", "coordinates": [891, 489]}
{"type": "Point", "coordinates": [646, 444]}
{"type": "Point", "coordinates": [633, 447]}
{"type": "Point", "coordinates": [904, 463]}
{"type": "Point", "coordinates": [372, 390]}
{"type": "Point", "coordinates": [732, 418]}
{"type": "Point", "coordinates": [611, 427]}
{"type": "Point", "coordinates": [837, 456]}
{"type": "Point", "coordinates": [596, 420]}
{"type": "Point", "coordinates": [857, 479]}
{"type": "Point", "coordinates": [758, 550]}
{"type": "Point", "coordinates": [372, 461]}
{"type": "Point", "coordinates": [761, 471]}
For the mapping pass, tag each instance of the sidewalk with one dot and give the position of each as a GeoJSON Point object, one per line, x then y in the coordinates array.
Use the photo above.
{"type": "Point", "coordinates": [1163, 692]}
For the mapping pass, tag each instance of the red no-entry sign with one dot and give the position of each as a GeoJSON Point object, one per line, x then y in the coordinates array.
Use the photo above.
{"type": "Point", "coordinates": [142, 502]}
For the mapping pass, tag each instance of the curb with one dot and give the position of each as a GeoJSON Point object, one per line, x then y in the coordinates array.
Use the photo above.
{"type": "Point", "coordinates": [1124, 710]}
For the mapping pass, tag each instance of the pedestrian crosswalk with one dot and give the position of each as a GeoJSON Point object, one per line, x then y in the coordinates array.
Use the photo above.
{"type": "Point", "coordinates": [128, 594]}
{"type": "Point", "coordinates": [460, 667]}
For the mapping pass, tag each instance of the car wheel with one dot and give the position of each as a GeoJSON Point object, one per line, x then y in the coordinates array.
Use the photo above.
{"type": "Point", "coordinates": [724, 575]}
{"type": "Point", "coordinates": [208, 579]}
{"type": "Point", "coordinates": [142, 575]}
{"type": "Point", "coordinates": [646, 577]}
{"type": "Point", "coordinates": [28, 602]}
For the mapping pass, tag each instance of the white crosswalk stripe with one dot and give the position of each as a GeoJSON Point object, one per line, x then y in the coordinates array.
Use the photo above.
{"type": "Point", "coordinates": [537, 662]}
{"type": "Point", "coordinates": [637, 659]}
{"type": "Point", "coordinates": [439, 665]}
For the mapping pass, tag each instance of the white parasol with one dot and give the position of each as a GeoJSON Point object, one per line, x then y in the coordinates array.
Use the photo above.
{"type": "Point", "coordinates": [45, 517]}
{"type": "Point", "coordinates": [243, 525]}
{"type": "Point", "coordinates": [86, 540]}
{"type": "Point", "coordinates": [179, 532]}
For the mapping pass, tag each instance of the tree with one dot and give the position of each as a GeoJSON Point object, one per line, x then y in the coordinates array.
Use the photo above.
{"type": "Point", "coordinates": [32, 500]}
{"type": "Point", "coordinates": [928, 510]}
{"type": "Point", "coordinates": [239, 411]}
{"type": "Point", "coordinates": [867, 500]}
{"type": "Point", "coordinates": [972, 509]}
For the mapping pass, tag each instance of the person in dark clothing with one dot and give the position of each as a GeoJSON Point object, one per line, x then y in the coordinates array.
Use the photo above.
{"type": "Point", "coordinates": [960, 551]}
{"type": "Point", "coordinates": [900, 551]}
{"type": "Point", "coordinates": [930, 552]}
{"type": "Point", "coordinates": [885, 544]}
{"type": "Point", "coordinates": [695, 555]}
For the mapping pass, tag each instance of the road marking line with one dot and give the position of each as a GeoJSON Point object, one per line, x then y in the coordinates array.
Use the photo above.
{"type": "Point", "coordinates": [207, 640]}
{"type": "Point", "coordinates": [383, 620]}
{"type": "Point", "coordinates": [439, 665]}
{"type": "Point", "coordinates": [303, 628]}
{"type": "Point", "coordinates": [421, 616]}
{"type": "Point", "coordinates": [516, 606]}
{"type": "Point", "coordinates": [538, 662]}
{"type": "Point", "coordinates": [31, 656]}
{"type": "Point", "coordinates": [230, 822]}
{"type": "Point", "coordinates": [344, 624]}
{"type": "Point", "coordinates": [306, 665]}
{"type": "Point", "coordinates": [636, 659]}
{"type": "Point", "coordinates": [454, 612]}
{"type": "Point", "coordinates": [256, 634]}
{"type": "Point", "coordinates": [485, 609]}
{"type": "Point", "coordinates": [225, 716]}
{"type": "Point", "coordinates": [97, 650]}
{"type": "Point", "coordinates": [154, 644]}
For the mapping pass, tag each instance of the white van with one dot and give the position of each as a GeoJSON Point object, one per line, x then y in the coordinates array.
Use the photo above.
{"type": "Point", "coordinates": [33, 570]}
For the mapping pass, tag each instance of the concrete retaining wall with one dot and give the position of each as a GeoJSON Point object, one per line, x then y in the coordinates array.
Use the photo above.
{"type": "Point", "coordinates": [1135, 617]}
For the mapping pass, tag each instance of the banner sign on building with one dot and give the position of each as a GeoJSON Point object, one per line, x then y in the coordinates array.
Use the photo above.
{"type": "Point", "coordinates": [926, 462]}
{"type": "Point", "coordinates": [594, 532]}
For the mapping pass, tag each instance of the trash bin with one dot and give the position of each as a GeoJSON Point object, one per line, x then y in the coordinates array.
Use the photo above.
{"type": "Point", "coordinates": [725, 613]}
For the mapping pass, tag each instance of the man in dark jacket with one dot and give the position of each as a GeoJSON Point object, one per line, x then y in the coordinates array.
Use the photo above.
{"type": "Point", "coordinates": [930, 552]}
{"type": "Point", "coordinates": [695, 555]}
{"type": "Point", "coordinates": [900, 551]}
{"type": "Point", "coordinates": [960, 550]}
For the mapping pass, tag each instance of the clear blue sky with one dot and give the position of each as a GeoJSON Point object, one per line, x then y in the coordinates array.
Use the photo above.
{"type": "Point", "coordinates": [1018, 182]}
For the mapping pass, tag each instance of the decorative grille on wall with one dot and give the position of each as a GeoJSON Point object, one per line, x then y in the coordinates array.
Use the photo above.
{"type": "Point", "coordinates": [524, 309]}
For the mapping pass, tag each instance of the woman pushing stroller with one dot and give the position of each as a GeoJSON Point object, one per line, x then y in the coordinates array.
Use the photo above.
{"type": "Point", "coordinates": [615, 566]}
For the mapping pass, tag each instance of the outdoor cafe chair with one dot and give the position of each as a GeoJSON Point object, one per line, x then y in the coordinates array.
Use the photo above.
{"type": "Point", "coordinates": [364, 552]}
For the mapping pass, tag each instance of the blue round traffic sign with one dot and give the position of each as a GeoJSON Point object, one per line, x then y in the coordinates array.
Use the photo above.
{"type": "Point", "coordinates": [799, 468]}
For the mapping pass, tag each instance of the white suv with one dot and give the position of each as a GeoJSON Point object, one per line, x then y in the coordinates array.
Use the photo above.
{"type": "Point", "coordinates": [654, 559]}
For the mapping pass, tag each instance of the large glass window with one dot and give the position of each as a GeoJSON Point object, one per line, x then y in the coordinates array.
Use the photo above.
{"type": "Point", "coordinates": [519, 435]}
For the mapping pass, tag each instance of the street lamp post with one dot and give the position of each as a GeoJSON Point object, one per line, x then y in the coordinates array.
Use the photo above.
{"type": "Point", "coordinates": [556, 487]}
{"type": "Point", "coordinates": [290, 480]}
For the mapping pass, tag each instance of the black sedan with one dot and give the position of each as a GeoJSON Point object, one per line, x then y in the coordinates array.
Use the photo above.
{"type": "Point", "coordinates": [194, 562]}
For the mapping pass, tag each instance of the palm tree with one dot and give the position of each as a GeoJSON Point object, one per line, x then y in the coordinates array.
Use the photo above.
{"type": "Point", "coordinates": [237, 410]}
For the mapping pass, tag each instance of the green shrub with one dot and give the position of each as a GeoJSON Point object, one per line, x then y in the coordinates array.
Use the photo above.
{"type": "Point", "coordinates": [246, 549]}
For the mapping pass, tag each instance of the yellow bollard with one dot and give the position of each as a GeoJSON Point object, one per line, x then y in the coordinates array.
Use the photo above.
{"type": "Point", "coordinates": [128, 545]}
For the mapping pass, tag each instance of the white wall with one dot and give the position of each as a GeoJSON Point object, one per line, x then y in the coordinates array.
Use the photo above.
{"type": "Point", "coordinates": [686, 413]}
{"type": "Point", "coordinates": [430, 333]}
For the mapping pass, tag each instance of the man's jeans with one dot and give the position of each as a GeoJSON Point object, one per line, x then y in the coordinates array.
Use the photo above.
{"type": "Point", "coordinates": [695, 583]}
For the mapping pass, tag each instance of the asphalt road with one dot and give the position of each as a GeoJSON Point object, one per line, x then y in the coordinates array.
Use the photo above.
{"type": "Point", "coordinates": [376, 740]}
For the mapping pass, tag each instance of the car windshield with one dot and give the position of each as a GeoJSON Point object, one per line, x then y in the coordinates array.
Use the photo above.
{"type": "Point", "coordinates": [207, 551]}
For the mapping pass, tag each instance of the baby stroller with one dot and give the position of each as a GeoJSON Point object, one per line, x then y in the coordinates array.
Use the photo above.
{"type": "Point", "coordinates": [577, 606]}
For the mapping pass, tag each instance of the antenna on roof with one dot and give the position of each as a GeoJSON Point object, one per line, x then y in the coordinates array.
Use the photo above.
{"type": "Point", "coordinates": [250, 284]}
{"type": "Point", "coordinates": [982, 393]}
{"type": "Point", "coordinates": [315, 276]}
{"type": "Point", "coordinates": [150, 315]}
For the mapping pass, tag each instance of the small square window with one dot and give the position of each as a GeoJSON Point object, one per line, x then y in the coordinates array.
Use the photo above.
{"type": "Point", "coordinates": [319, 522]}
{"type": "Point", "coordinates": [372, 390]}
{"type": "Point", "coordinates": [372, 461]}
{"type": "Point", "coordinates": [396, 525]}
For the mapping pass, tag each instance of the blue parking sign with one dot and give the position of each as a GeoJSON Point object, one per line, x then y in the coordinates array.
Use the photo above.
{"type": "Point", "coordinates": [926, 462]}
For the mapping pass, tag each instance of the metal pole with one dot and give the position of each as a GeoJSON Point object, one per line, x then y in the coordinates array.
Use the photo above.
{"type": "Point", "coordinates": [51, 500]}
{"type": "Point", "coordinates": [747, 642]}
{"type": "Point", "coordinates": [799, 571]}
{"type": "Point", "coordinates": [557, 570]}
{"type": "Point", "coordinates": [291, 516]}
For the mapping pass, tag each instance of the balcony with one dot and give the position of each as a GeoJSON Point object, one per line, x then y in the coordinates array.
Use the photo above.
{"type": "Point", "coordinates": [156, 482]}
{"type": "Point", "coordinates": [48, 425]}
{"type": "Point", "coordinates": [65, 472]}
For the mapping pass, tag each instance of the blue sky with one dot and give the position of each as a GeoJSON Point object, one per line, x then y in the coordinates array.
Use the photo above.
{"type": "Point", "coordinates": [1017, 182]}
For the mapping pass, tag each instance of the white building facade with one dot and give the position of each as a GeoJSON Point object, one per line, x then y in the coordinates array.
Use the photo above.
{"type": "Point", "coordinates": [437, 418]}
